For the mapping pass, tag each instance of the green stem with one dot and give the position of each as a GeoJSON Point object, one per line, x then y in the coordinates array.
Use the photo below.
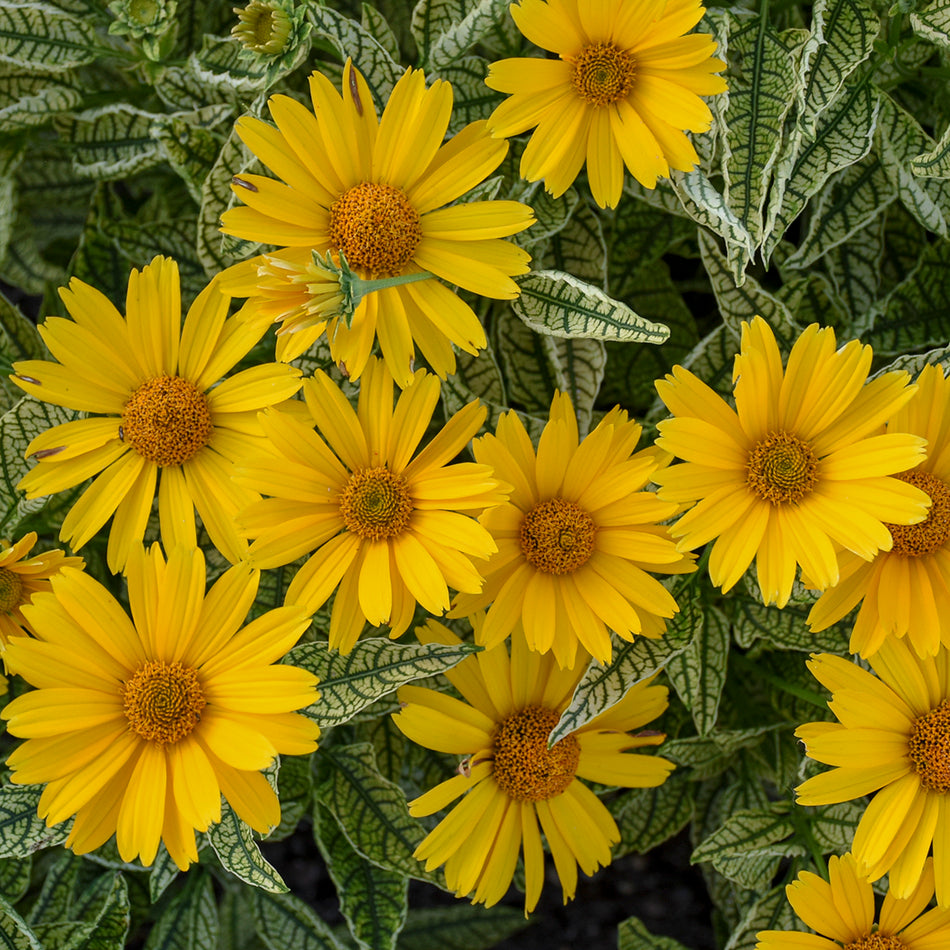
{"type": "Point", "coordinates": [363, 287]}
{"type": "Point", "coordinates": [815, 699]}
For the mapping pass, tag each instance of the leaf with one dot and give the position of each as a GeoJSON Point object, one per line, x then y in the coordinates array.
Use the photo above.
{"type": "Point", "coordinates": [372, 811]}
{"type": "Point", "coordinates": [162, 872]}
{"type": "Point", "coordinates": [770, 912]}
{"type": "Point", "coordinates": [901, 140]}
{"type": "Point", "coordinates": [31, 98]}
{"type": "Point", "coordinates": [848, 203]}
{"type": "Point", "coordinates": [233, 842]}
{"type": "Point", "coordinates": [842, 37]}
{"type": "Point", "coordinates": [236, 927]}
{"type": "Point", "coordinates": [754, 837]}
{"type": "Point", "coordinates": [763, 84]}
{"type": "Point", "coordinates": [15, 877]}
{"type": "Point", "coordinates": [40, 37]}
{"type": "Point", "coordinates": [604, 686]}
{"type": "Point", "coordinates": [783, 629]}
{"type": "Point", "coordinates": [14, 932]}
{"type": "Point", "coordinates": [189, 920]}
{"type": "Point", "coordinates": [352, 41]}
{"type": "Point", "coordinates": [843, 137]}
{"type": "Point", "coordinates": [222, 62]}
{"type": "Point", "coordinates": [104, 907]}
{"type": "Point", "coordinates": [530, 377]}
{"type": "Point", "coordinates": [295, 785]}
{"type": "Point", "coordinates": [698, 674]}
{"type": "Point", "coordinates": [113, 141]}
{"type": "Point", "coordinates": [374, 668]}
{"type": "Point", "coordinates": [647, 817]}
{"type": "Point", "coordinates": [576, 247]}
{"type": "Point", "coordinates": [854, 267]}
{"type": "Point", "coordinates": [56, 896]}
{"type": "Point", "coordinates": [373, 900]}
{"type": "Point", "coordinates": [378, 26]}
{"type": "Point", "coordinates": [578, 371]}
{"type": "Point", "coordinates": [632, 934]}
{"type": "Point", "coordinates": [559, 304]}
{"type": "Point", "coordinates": [190, 150]}
{"type": "Point", "coordinates": [739, 304]}
{"type": "Point", "coordinates": [936, 162]}
{"type": "Point", "coordinates": [460, 927]}
{"type": "Point", "coordinates": [285, 922]}
{"type": "Point", "coordinates": [457, 34]}
{"type": "Point", "coordinates": [714, 754]}
{"type": "Point", "coordinates": [22, 831]}
{"type": "Point", "coordinates": [551, 216]}
{"type": "Point", "coordinates": [472, 100]}
{"type": "Point", "coordinates": [833, 826]}
{"type": "Point", "coordinates": [933, 23]}
{"type": "Point", "coordinates": [915, 313]}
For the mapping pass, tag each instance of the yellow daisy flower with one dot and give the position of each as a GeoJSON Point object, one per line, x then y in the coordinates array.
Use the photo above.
{"type": "Point", "coordinates": [893, 738]}
{"type": "Point", "coordinates": [381, 192]}
{"type": "Point", "coordinates": [21, 577]}
{"type": "Point", "coordinates": [576, 538]}
{"type": "Point", "coordinates": [801, 465]}
{"type": "Point", "coordinates": [842, 909]}
{"type": "Point", "coordinates": [512, 780]}
{"type": "Point", "coordinates": [389, 525]}
{"type": "Point", "coordinates": [157, 400]}
{"type": "Point", "coordinates": [625, 85]}
{"type": "Point", "coordinates": [905, 591]}
{"type": "Point", "coordinates": [138, 726]}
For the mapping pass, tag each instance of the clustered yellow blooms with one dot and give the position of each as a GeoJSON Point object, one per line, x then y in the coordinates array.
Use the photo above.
{"type": "Point", "coordinates": [138, 724]}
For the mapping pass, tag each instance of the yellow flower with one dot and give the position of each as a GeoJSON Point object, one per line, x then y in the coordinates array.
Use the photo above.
{"type": "Point", "coordinates": [21, 577]}
{"type": "Point", "coordinates": [157, 400]}
{"type": "Point", "coordinates": [625, 85]}
{"type": "Point", "coordinates": [576, 539]}
{"type": "Point", "coordinates": [905, 591]}
{"type": "Point", "coordinates": [843, 910]}
{"type": "Point", "coordinates": [893, 738]}
{"type": "Point", "coordinates": [138, 726]}
{"type": "Point", "coordinates": [799, 466]}
{"type": "Point", "coordinates": [390, 526]}
{"type": "Point", "coordinates": [382, 192]}
{"type": "Point", "coordinates": [512, 780]}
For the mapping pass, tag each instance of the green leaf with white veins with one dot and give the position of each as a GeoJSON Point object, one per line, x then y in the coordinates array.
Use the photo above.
{"type": "Point", "coordinates": [233, 842]}
{"type": "Point", "coordinates": [285, 922]}
{"type": "Point", "coordinates": [372, 669]}
{"type": "Point", "coordinates": [843, 137]}
{"type": "Point", "coordinates": [698, 674]}
{"type": "Point", "coordinates": [31, 98]}
{"type": "Point", "coordinates": [40, 37]}
{"type": "Point", "coordinates": [561, 305]}
{"type": "Point", "coordinates": [457, 37]}
{"type": "Point", "coordinates": [936, 162]}
{"type": "Point", "coordinates": [190, 920]}
{"type": "Point", "coordinates": [842, 37]}
{"type": "Point", "coordinates": [114, 141]}
{"type": "Point", "coordinates": [933, 22]}
{"type": "Point", "coordinates": [763, 84]}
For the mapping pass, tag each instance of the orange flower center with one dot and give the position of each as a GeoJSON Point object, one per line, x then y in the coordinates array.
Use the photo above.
{"type": "Point", "coordinates": [376, 227]}
{"type": "Point", "coordinates": [11, 590]}
{"type": "Point", "coordinates": [876, 941]}
{"type": "Point", "coordinates": [166, 420]}
{"type": "Point", "coordinates": [917, 540]}
{"type": "Point", "coordinates": [929, 748]}
{"type": "Point", "coordinates": [375, 503]}
{"type": "Point", "coordinates": [557, 536]}
{"type": "Point", "coordinates": [525, 768]}
{"type": "Point", "coordinates": [603, 73]}
{"type": "Point", "coordinates": [781, 468]}
{"type": "Point", "coordinates": [163, 701]}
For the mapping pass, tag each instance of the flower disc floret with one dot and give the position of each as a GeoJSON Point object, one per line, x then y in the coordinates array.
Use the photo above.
{"type": "Point", "coordinates": [931, 534]}
{"type": "Point", "coordinates": [375, 504]}
{"type": "Point", "coordinates": [524, 767]}
{"type": "Point", "coordinates": [557, 536]}
{"type": "Point", "coordinates": [782, 468]}
{"type": "Point", "coordinates": [376, 227]}
{"type": "Point", "coordinates": [929, 748]}
{"type": "Point", "coordinates": [876, 941]}
{"type": "Point", "coordinates": [167, 420]}
{"type": "Point", "coordinates": [163, 701]}
{"type": "Point", "coordinates": [11, 590]}
{"type": "Point", "coordinates": [602, 73]}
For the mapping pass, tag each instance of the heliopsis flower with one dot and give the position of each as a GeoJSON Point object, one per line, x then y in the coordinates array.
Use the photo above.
{"type": "Point", "coordinates": [21, 577]}
{"type": "Point", "coordinates": [842, 910]}
{"type": "Point", "coordinates": [576, 538]}
{"type": "Point", "coordinates": [625, 85]}
{"type": "Point", "coordinates": [512, 781]}
{"type": "Point", "coordinates": [139, 726]}
{"type": "Point", "coordinates": [905, 591]}
{"type": "Point", "coordinates": [892, 738]}
{"type": "Point", "coordinates": [384, 193]}
{"type": "Point", "coordinates": [389, 525]}
{"type": "Point", "coordinates": [158, 402]}
{"type": "Point", "coordinates": [801, 465]}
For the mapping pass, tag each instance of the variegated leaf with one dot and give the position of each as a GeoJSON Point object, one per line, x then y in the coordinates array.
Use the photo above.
{"type": "Point", "coordinates": [31, 97]}
{"type": "Point", "coordinates": [933, 22]}
{"type": "Point", "coordinates": [39, 36]}
{"type": "Point", "coordinates": [772, 911]}
{"type": "Point", "coordinates": [472, 100]}
{"type": "Point", "coordinates": [854, 267]}
{"type": "Point", "coordinates": [110, 142]}
{"type": "Point", "coordinates": [445, 29]}
{"type": "Point", "coordinates": [233, 843]}
{"type": "Point", "coordinates": [559, 304]}
{"type": "Point", "coordinates": [936, 162]}
{"type": "Point", "coordinates": [698, 674]}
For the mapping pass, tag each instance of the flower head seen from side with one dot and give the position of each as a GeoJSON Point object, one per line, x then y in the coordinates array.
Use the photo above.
{"type": "Point", "coordinates": [576, 538]}
{"type": "Point", "coordinates": [385, 193]}
{"type": "Point", "coordinates": [892, 738]}
{"type": "Point", "coordinates": [162, 417]}
{"type": "Point", "coordinates": [800, 466]}
{"type": "Point", "coordinates": [21, 577]}
{"type": "Point", "coordinates": [841, 911]}
{"type": "Point", "coordinates": [626, 82]}
{"type": "Point", "coordinates": [137, 726]}
{"type": "Point", "coordinates": [385, 525]}
{"type": "Point", "coordinates": [512, 781]}
{"type": "Point", "coordinates": [905, 591]}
